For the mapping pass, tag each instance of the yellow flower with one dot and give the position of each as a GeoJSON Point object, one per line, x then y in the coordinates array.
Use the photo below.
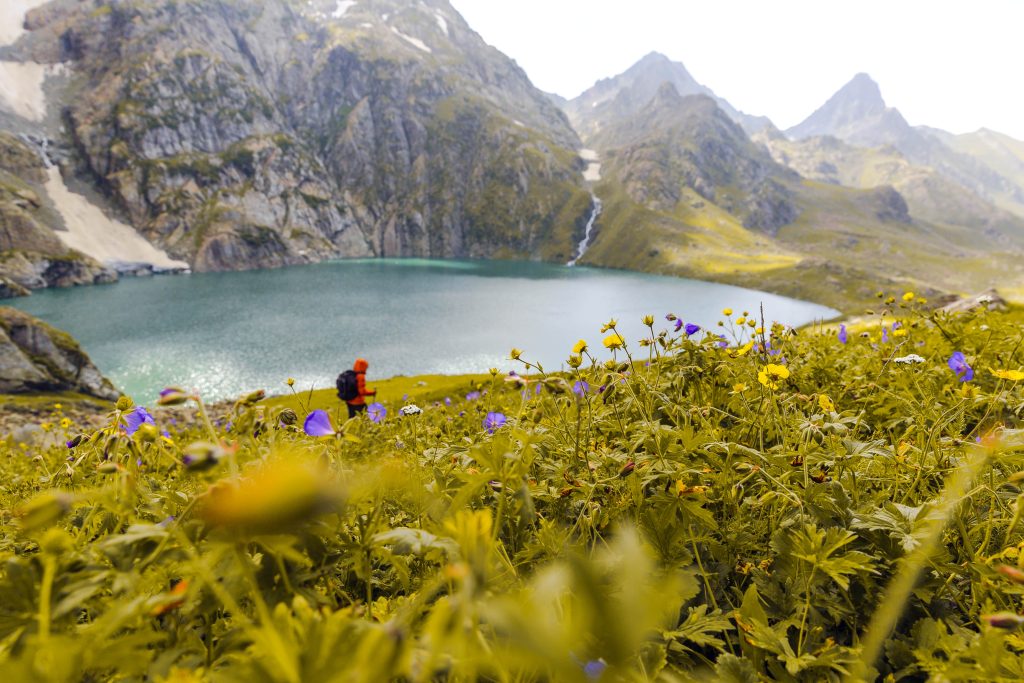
{"type": "Point", "coordinates": [291, 381]}
{"type": "Point", "coordinates": [613, 341]}
{"type": "Point", "coordinates": [580, 347]}
{"type": "Point", "coordinates": [1012, 375]}
{"type": "Point", "coordinates": [742, 351]}
{"type": "Point", "coordinates": [58, 406]}
{"type": "Point", "coordinates": [772, 375]}
{"type": "Point", "coordinates": [739, 388]}
{"type": "Point", "coordinates": [515, 353]}
{"type": "Point", "coordinates": [726, 312]}
{"type": "Point", "coordinates": [908, 297]}
{"type": "Point", "coordinates": [494, 372]}
{"type": "Point", "coordinates": [610, 325]}
{"type": "Point", "coordinates": [46, 426]}
{"type": "Point", "coordinates": [901, 332]}
{"type": "Point", "coordinates": [751, 323]}
{"type": "Point", "coordinates": [575, 360]}
{"type": "Point", "coordinates": [891, 300]}
{"type": "Point", "coordinates": [741, 321]}
{"type": "Point", "coordinates": [759, 330]}
{"type": "Point", "coordinates": [65, 423]}
{"type": "Point", "coordinates": [826, 403]}
{"type": "Point", "coordinates": [648, 320]}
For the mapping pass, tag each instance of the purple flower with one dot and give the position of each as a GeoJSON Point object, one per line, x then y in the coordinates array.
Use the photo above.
{"type": "Point", "coordinates": [885, 335]}
{"type": "Point", "coordinates": [594, 668]}
{"type": "Point", "coordinates": [843, 336]}
{"type": "Point", "coordinates": [897, 325]}
{"type": "Point", "coordinates": [376, 412]}
{"type": "Point", "coordinates": [447, 401]}
{"type": "Point", "coordinates": [494, 421]}
{"type": "Point", "coordinates": [473, 395]}
{"type": "Point", "coordinates": [723, 342]}
{"type": "Point", "coordinates": [318, 423]}
{"type": "Point", "coordinates": [537, 389]}
{"type": "Point", "coordinates": [679, 325]}
{"type": "Point", "coordinates": [692, 329]}
{"type": "Point", "coordinates": [580, 388]}
{"type": "Point", "coordinates": [958, 364]}
{"type": "Point", "coordinates": [135, 419]}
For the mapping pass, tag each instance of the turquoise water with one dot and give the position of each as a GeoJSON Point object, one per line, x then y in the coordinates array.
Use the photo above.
{"type": "Point", "coordinates": [229, 333]}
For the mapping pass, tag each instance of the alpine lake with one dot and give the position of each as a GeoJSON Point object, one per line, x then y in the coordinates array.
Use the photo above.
{"type": "Point", "coordinates": [225, 334]}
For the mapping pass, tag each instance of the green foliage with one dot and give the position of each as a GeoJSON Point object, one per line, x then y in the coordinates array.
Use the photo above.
{"type": "Point", "coordinates": [685, 518]}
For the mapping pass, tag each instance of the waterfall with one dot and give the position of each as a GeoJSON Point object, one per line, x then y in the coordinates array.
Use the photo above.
{"type": "Point", "coordinates": [585, 242]}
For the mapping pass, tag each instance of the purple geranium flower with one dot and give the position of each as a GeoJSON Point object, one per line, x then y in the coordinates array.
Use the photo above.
{"type": "Point", "coordinates": [692, 329]}
{"type": "Point", "coordinates": [723, 343]}
{"type": "Point", "coordinates": [580, 388]}
{"type": "Point", "coordinates": [885, 335]}
{"type": "Point", "coordinates": [594, 668]}
{"type": "Point", "coordinates": [376, 412]}
{"type": "Point", "coordinates": [843, 336]}
{"type": "Point", "coordinates": [136, 418]}
{"type": "Point", "coordinates": [473, 395]}
{"type": "Point", "coordinates": [318, 423]}
{"type": "Point", "coordinates": [494, 421]}
{"type": "Point", "coordinates": [447, 401]}
{"type": "Point", "coordinates": [958, 364]}
{"type": "Point", "coordinates": [679, 325]}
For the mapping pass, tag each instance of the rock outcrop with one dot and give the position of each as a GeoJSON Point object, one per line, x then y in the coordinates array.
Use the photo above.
{"type": "Point", "coordinates": [32, 256]}
{"type": "Point", "coordinates": [242, 134]}
{"type": "Point", "coordinates": [35, 357]}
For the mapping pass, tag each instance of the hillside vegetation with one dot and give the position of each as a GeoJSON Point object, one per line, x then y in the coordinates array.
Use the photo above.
{"type": "Point", "coordinates": [738, 504]}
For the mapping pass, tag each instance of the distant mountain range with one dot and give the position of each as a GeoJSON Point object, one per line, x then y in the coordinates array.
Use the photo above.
{"type": "Point", "coordinates": [236, 134]}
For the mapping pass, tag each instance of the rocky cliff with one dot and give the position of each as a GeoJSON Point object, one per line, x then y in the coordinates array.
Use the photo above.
{"type": "Point", "coordinates": [32, 255]}
{"type": "Point", "coordinates": [35, 357]}
{"type": "Point", "coordinates": [241, 133]}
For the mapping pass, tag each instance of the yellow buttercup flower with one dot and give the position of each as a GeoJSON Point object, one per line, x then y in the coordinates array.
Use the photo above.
{"type": "Point", "coordinates": [908, 297]}
{"type": "Point", "coordinates": [65, 423]}
{"type": "Point", "coordinates": [772, 375]}
{"type": "Point", "coordinates": [901, 332]}
{"type": "Point", "coordinates": [739, 388]}
{"type": "Point", "coordinates": [613, 341]}
{"type": "Point", "coordinates": [741, 321]}
{"type": "Point", "coordinates": [515, 353]}
{"type": "Point", "coordinates": [1012, 375]}
{"type": "Point", "coordinates": [727, 312]}
{"type": "Point", "coordinates": [742, 351]}
{"type": "Point", "coordinates": [826, 403]}
{"type": "Point", "coordinates": [648, 320]}
{"type": "Point", "coordinates": [580, 347]}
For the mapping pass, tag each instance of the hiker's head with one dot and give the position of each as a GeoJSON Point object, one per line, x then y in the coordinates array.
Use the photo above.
{"type": "Point", "coordinates": [361, 365]}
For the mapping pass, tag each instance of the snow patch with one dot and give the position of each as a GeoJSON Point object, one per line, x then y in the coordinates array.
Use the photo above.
{"type": "Point", "coordinates": [415, 42]}
{"type": "Point", "coordinates": [92, 232]}
{"type": "Point", "coordinates": [21, 88]}
{"type": "Point", "coordinates": [441, 22]}
{"type": "Point", "coordinates": [342, 7]}
{"type": "Point", "coordinates": [592, 173]}
{"type": "Point", "coordinates": [12, 19]}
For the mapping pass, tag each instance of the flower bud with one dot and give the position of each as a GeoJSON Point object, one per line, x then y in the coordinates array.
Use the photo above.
{"type": "Point", "coordinates": [1012, 573]}
{"type": "Point", "coordinates": [515, 353]}
{"type": "Point", "coordinates": [288, 417]}
{"type": "Point", "coordinates": [648, 320]}
{"type": "Point", "coordinates": [627, 469]}
{"type": "Point", "coordinates": [202, 455]}
{"type": "Point", "coordinates": [173, 396]}
{"type": "Point", "coordinates": [125, 403]}
{"type": "Point", "coordinates": [56, 542]}
{"type": "Point", "coordinates": [77, 440]}
{"type": "Point", "coordinates": [575, 361]}
{"type": "Point", "coordinates": [1005, 620]}
{"type": "Point", "coordinates": [44, 509]}
{"type": "Point", "coordinates": [253, 397]}
{"type": "Point", "coordinates": [147, 433]}
{"type": "Point", "coordinates": [108, 467]}
{"type": "Point", "coordinates": [291, 381]}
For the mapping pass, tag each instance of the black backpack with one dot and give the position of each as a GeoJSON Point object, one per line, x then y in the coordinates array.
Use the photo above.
{"type": "Point", "coordinates": [348, 386]}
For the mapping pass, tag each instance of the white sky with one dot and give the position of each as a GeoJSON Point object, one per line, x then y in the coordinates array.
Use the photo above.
{"type": "Point", "coordinates": [957, 65]}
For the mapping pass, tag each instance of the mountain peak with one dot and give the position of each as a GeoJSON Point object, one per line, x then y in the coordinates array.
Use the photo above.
{"type": "Point", "coordinates": [857, 101]}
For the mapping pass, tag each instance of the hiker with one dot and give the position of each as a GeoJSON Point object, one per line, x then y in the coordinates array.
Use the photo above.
{"type": "Point", "coordinates": [352, 387]}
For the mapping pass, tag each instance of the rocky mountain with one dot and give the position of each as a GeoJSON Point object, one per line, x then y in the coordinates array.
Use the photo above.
{"type": "Point", "coordinates": [857, 114]}
{"type": "Point", "coordinates": [32, 255]}
{"type": "Point", "coordinates": [686, 191]}
{"type": "Point", "coordinates": [1000, 153]}
{"type": "Point", "coordinates": [622, 96]}
{"type": "Point", "coordinates": [930, 195]}
{"type": "Point", "coordinates": [257, 133]}
{"type": "Point", "coordinates": [36, 357]}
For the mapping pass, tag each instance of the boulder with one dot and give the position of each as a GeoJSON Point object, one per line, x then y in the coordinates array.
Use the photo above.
{"type": "Point", "coordinates": [35, 357]}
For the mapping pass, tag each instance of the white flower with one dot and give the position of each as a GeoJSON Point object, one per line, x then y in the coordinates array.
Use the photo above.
{"type": "Point", "coordinates": [912, 359]}
{"type": "Point", "coordinates": [410, 409]}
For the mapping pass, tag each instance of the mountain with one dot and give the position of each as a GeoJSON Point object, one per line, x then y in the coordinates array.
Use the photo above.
{"type": "Point", "coordinates": [930, 196]}
{"type": "Point", "coordinates": [687, 192]}
{"type": "Point", "coordinates": [1001, 153]}
{"type": "Point", "coordinates": [622, 96]}
{"type": "Point", "coordinates": [240, 134]}
{"type": "Point", "coordinates": [857, 114]}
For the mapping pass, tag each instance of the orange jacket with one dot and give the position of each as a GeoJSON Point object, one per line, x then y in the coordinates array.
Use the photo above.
{"type": "Point", "coordinates": [360, 368]}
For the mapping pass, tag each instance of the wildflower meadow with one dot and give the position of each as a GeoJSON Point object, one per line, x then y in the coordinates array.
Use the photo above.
{"type": "Point", "coordinates": [744, 503]}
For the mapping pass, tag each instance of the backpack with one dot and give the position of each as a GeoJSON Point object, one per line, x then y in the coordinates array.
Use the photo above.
{"type": "Point", "coordinates": [348, 386]}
